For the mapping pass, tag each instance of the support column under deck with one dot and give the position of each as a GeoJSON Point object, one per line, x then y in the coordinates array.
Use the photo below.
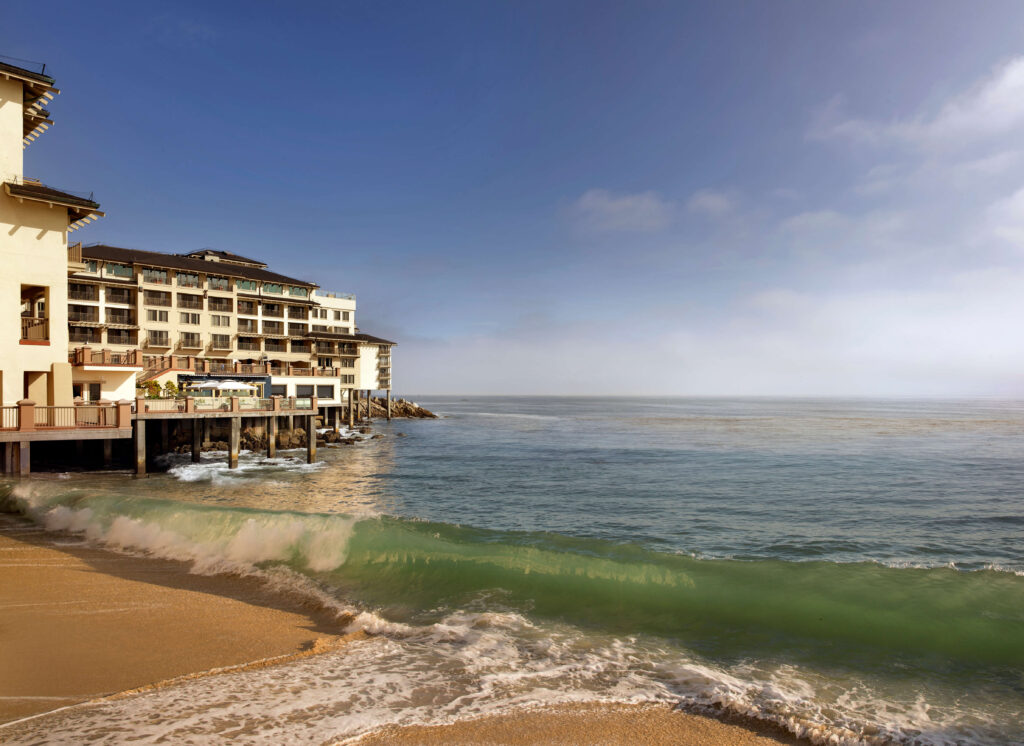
{"type": "Point", "coordinates": [197, 439]}
{"type": "Point", "coordinates": [389, 405]}
{"type": "Point", "coordinates": [271, 437]}
{"type": "Point", "coordinates": [108, 452]}
{"type": "Point", "coordinates": [236, 437]}
{"type": "Point", "coordinates": [310, 438]}
{"type": "Point", "coordinates": [351, 408]}
{"type": "Point", "coordinates": [140, 448]}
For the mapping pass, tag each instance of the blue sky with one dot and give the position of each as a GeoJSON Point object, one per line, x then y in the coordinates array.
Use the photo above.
{"type": "Point", "coordinates": [793, 198]}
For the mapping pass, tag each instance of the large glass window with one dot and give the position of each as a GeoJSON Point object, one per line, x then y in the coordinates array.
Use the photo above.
{"type": "Point", "coordinates": [325, 392]}
{"type": "Point", "coordinates": [187, 279]}
{"type": "Point", "coordinates": [190, 318]}
{"type": "Point", "coordinates": [217, 320]}
{"type": "Point", "coordinates": [117, 270]}
{"type": "Point", "coordinates": [191, 339]}
{"type": "Point", "coordinates": [221, 341]}
{"type": "Point", "coordinates": [217, 283]}
{"type": "Point", "coordinates": [298, 292]}
{"type": "Point", "coordinates": [271, 287]}
{"type": "Point", "coordinates": [156, 276]}
{"type": "Point", "coordinates": [154, 315]}
{"type": "Point", "coordinates": [245, 284]}
{"type": "Point", "coordinates": [302, 391]}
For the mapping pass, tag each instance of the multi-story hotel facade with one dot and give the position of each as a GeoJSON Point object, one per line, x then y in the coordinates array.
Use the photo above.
{"type": "Point", "coordinates": [85, 324]}
{"type": "Point", "coordinates": [213, 314]}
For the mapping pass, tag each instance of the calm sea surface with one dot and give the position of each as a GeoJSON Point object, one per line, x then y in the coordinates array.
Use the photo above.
{"type": "Point", "coordinates": [852, 570]}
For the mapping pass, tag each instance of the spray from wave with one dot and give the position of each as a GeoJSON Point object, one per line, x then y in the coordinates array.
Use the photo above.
{"type": "Point", "coordinates": [476, 621]}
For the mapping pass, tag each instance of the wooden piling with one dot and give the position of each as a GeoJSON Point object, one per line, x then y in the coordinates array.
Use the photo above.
{"type": "Point", "coordinates": [140, 448]}
{"type": "Point", "coordinates": [233, 445]}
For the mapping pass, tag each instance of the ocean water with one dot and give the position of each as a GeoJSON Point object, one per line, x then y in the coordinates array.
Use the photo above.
{"type": "Point", "coordinates": [851, 570]}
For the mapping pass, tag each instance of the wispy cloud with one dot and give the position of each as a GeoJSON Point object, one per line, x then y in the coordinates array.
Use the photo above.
{"type": "Point", "coordinates": [992, 107]}
{"type": "Point", "coordinates": [710, 202]}
{"type": "Point", "coordinates": [601, 210]}
{"type": "Point", "coordinates": [1006, 218]}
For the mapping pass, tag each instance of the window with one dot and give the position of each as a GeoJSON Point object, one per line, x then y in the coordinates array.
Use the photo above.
{"type": "Point", "coordinates": [156, 298]}
{"type": "Point", "coordinates": [297, 312]}
{"type": "Point", "coordinates": [278, 389]}
{"type": "Point", "coordinates": [156, 276]}
{"type": "Point", "coordinates": [247, 307]}
{"type": "Point", "coordinates": [156, 338]}
{"type": "Point", "coordinates": [217, 283]}
{"type": "Point", "coordinates": [247, 325]}
{"type": "Point", "coordinates": [271, 287]}
{"type": "Point", "coordinates": [91, 265]}
{"type": "Point", "coordinates": [301, 346]}
{"type": "Point", "coordinates": [153, 315]}
{"type": "Point", "coordinates": [94, 392]}
{"type": "Point", "coordinates": [337, 315]}
{"type": "Point", "coordinates": [303, 391]}
{"type": "Point", "coordinates": [119, 295]}
{"type": "Point", "coordinates": [219, 304]}
{"type": "Point", "coordinates": [325, 392]}
{"type": "Point", "coordinates": [246, 343]}
{"type": "Point", "coordinates": [276, 345]}
{"type": "Point", "coordinates": [117, 270]}
{"type": "Point", "coordinates": [127, 337]}
{"type": "Point", "coordinates": [120, 316]}
{"type": "Point", "coordinates": [187, 280]}
{"type": "Point", "coordinates": [221, 341]}
{"type": "Point", "coordinates": [190, 318]}
{"type": "Point", "coordinates": [297, 329]}
{"type": "Point", "coordinates": [298, 292]}
{"type": "Point", "coordinates": [341, 330]}
{"type": "Point", "coordinates": [273, 327]}
{"type": "Point", "coordinates": [79, 291]}
{"type": "Point", "coordinates": [189, 301]}
{"type": "Point", "coordinates": [347, 362]}
{"type": "Point", "coordinates": [245, 284]}
{"type": "Point", "coordinates": [272, 309]}
{"type": "Point", "coordinates": [324, 362]}
{"type": "Point", "coordinates": [191, 339]}
{"type": "Point", "coordinates": [344, 316]}
{"type": "Point", "coordinates": [217, 320]}
{"type": "Point", "coordinates": [348, 379]}
{"type": "Point", "coordinates": [319, 328]}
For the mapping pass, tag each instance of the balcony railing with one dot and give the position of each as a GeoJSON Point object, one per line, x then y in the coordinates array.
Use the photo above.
{"type": "Point", "coordinates": [85, 337]}
{"type": "Point", "coordinates": [120, 317]}
{"type": "Point", "coordinates": [125, 296]}
{"type": "Point", "coordinates": [189, 302]}
{"type": "Point", "coordinates": [34, 329]}
{"type": "Point", "coordinates": [220, 305]}
{"type": "Point", "coordinates": [91, 316]}
{"type": "Point", "coordinates": [91, 294]}
{"type": "Point", "coordinates": [249, 346]}
{"type": "Point", "coordinates": [28, 416]}
{"type": "Point", "coordinates": [87, 356]}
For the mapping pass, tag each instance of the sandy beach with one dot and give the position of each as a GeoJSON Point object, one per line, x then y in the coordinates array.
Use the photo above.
{"type": "Point", "coordinates": [79, 623]}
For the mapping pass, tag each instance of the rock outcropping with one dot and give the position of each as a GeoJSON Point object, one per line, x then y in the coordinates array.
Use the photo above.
{"type": "Point", "coordinates": [399, 408]}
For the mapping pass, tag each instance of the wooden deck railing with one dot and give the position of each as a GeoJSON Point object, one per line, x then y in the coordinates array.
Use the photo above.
{"type": "Point", "coordinates": [27, 417]}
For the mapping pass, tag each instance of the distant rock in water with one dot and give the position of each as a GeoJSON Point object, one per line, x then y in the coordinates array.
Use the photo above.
{"type": "Point", "coordinates": [399, 408]}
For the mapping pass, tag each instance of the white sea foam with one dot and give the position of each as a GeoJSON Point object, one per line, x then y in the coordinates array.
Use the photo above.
{"type": "Point", "coordinates": [468, 663]}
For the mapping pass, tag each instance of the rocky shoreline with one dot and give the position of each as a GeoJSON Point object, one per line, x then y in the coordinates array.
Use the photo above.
{"type": "Point", "coordinates": [253, 439]}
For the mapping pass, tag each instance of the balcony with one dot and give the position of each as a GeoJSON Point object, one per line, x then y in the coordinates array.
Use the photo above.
{"type": "Point", "coordinates": [157, 341]}
{"type": "Point", "coordinates": [220, 342]}
{"type": "Point", "coordinates": [190, 342]}
{"type": "Point", "coordinates": [84, 336]}
{"type": "Point", "coordinates": [162, 300]}
{"type": "Point", "coordinates": [246, 326]}
{"type": "Point", "coordinates": [276, 345]}
{"type": "Point", "coordinates": [272, 311]}
{"type": "Point", "coordinates": [34, 330]}
{"type": "Point", "coordinates": [273, 327]}
{"type": "Point", "coordinates": [190, 301]}
{"type": "Point", "coordinates": [117, 295]}
{"type": "Point", "coordinates": [86, 356]}
{"type": "Point", "coordinates": [119, 316]}
{"type": "Point", "coordinates": [86, 315]}
{"type": "Point", "coordinates": [220, 305]}
{"type": "Point", "coordinates": [297, 312]}
{"type": "Point", "coordinates": [84, 292]}
{"type": "Point", "coordinates": [249, 345]}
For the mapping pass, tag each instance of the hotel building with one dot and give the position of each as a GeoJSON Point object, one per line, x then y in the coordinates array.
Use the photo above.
{"type": "Point", "coordinates": [214, 314]}
{"type": "Point", "coordinates": [95, 321]}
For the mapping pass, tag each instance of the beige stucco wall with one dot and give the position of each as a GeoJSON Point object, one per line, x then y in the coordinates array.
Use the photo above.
{"type": "Point", "coordinates": [11, 130]}
{"type": "Point", "coordinates": [115, 385]}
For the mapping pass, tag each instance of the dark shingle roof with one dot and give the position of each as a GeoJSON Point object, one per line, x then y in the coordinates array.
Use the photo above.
{"type": "Point", "coordinates": [350, 338]}
{"type": "Point", "coordinates": [40, 191]}
{"type": "Point", "coordinates": [186, 263]}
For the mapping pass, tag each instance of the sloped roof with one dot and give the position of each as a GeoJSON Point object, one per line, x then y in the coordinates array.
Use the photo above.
{"type": "Point", "coordinates": [226, 255]}
{"type": "Point", "coordinates": [187, 263]}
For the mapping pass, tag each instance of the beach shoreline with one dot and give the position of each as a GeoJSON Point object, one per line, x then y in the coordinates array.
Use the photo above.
{"type": "Point", "coordinates": [81, 623]}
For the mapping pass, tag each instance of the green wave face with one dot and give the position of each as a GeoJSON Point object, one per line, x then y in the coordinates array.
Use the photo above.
{"type": "Point", "coordinates": [857, 611]}
{"type": "Point", "coordinates": [853, 615]}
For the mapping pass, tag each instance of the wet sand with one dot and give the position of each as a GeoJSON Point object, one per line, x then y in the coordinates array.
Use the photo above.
{"type": "Point", "coordinates": [78, 623]}
{"type": "Point", "coordinates": [594, 725]}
